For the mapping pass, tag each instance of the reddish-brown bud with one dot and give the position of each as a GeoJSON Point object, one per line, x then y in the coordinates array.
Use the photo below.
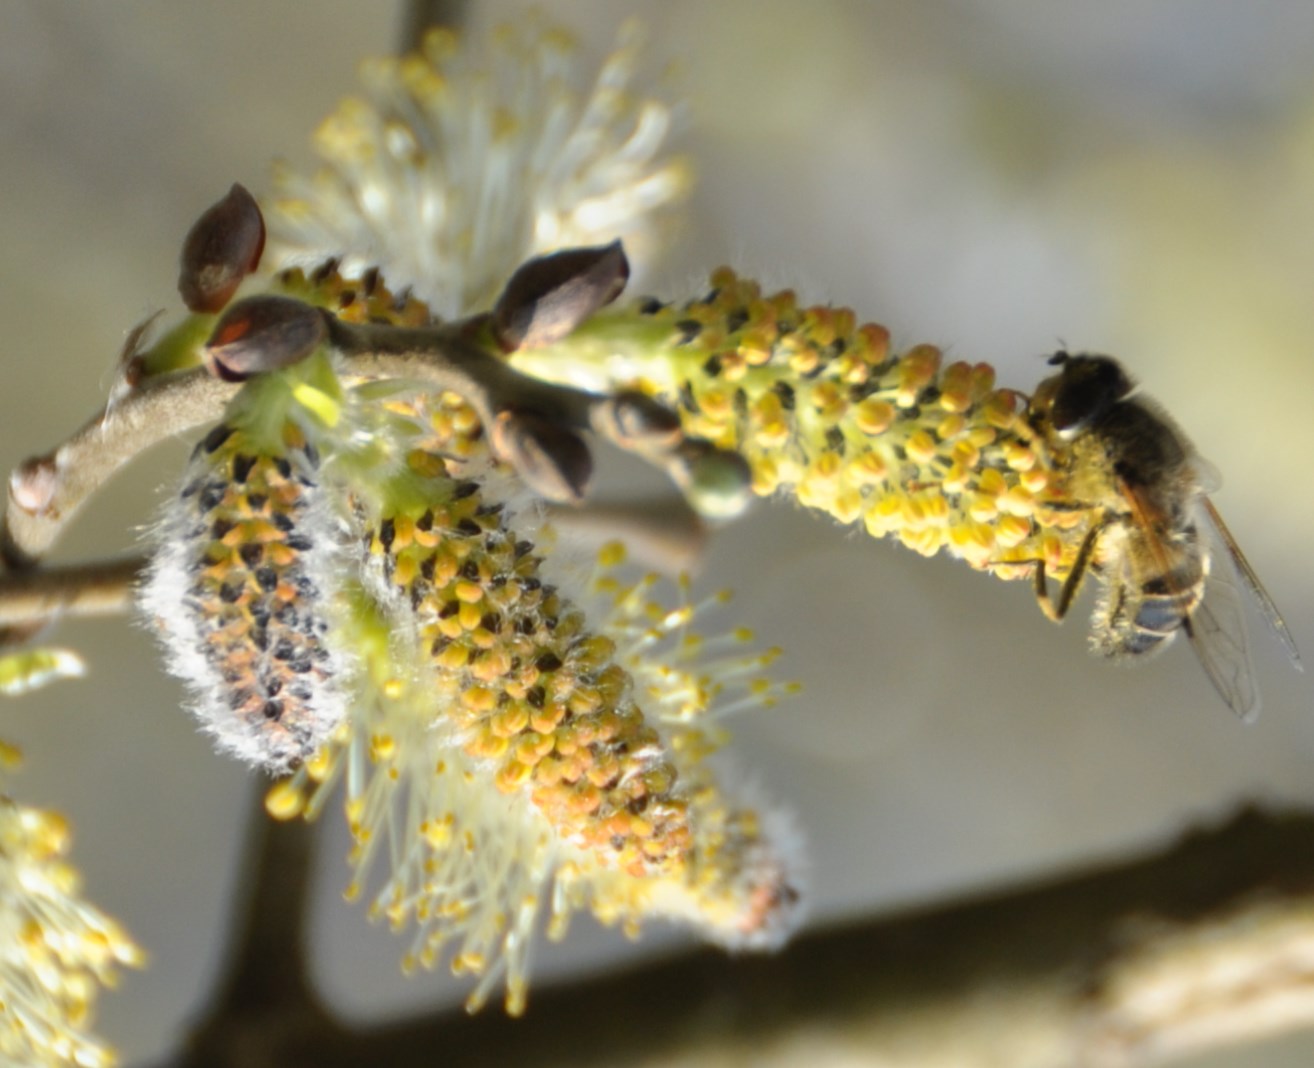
{"type": "Point", "coordinates": [553, 460]}
{"type": "Point", "coordinates": [263, 334]}
{"type": "Point", "coordinates": [550, 296]}
{"type": "Point", "coordinates": [222, 247]}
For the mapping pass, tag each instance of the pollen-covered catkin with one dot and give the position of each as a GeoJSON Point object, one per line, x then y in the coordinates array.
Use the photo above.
{"type": "Point", "coordinates": [240, 588]}
{"type": "Point", "coordinates": [530, 691]}
{"type": "Point", "coordinates": [505, 747]}
{"type": "Point", "coordinates": [822, 409]}
{"type": "Point", "coordinates": [454, 165]}
{"type": "Point", "coordinates": [57, 949]}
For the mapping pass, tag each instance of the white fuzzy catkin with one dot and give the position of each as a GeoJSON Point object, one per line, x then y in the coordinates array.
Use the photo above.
{"type": "Point", "coordinates": [240, 589]}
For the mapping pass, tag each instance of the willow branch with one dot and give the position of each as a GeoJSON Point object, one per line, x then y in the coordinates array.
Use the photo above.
{"type": "Point", "coordinates": [85, 591]}
{"type": "Point", "coordinates": [531, 422]}
{"type": "Point", "coordinates": [531, 425]}
{"type": "Point", "coordinates": [440, 358]}
{"type": "Point", "coordinates": [45, 492]}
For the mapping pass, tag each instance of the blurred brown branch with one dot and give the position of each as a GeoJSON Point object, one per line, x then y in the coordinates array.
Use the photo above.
{"type": "Point", "coordinates": [32, 599]}
{"type": "Point", "coordinates": [263, 1009]}
{"type": "Point", "coordinates": [1208, 942]}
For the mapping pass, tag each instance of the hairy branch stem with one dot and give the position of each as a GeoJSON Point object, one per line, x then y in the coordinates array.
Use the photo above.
{"type": "Point", "coordinates": [45, 492]}
{"type": "Point", "coordinates": [41, 596]}
{"type": "Point", "coordinates": [438, 357]}
{"type": "Point", "coordinates": [532, 425]}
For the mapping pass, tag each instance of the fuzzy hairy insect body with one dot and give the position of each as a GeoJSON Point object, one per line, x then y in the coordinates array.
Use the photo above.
{"type": "Point", "coordinates": [1167, 561]}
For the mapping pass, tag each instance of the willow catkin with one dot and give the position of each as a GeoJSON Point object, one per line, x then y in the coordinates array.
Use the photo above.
{"type": "Point", "coordinates": [241, 588]}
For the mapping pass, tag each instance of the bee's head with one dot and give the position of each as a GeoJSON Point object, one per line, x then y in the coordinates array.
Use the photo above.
{"type": "Point", "coordinates": [1080, 395]}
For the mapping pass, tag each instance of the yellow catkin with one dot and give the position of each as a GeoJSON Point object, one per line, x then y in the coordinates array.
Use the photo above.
{"type": "Point", "coordinates": [531, 732]}
{"type": "Point", "coordinates": [830, 414]}
{"type": "Point", "coordinates": [519, 664]}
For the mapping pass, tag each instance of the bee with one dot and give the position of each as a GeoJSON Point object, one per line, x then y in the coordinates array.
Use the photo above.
{"type": "Point", "coordinates": [1167, 560]}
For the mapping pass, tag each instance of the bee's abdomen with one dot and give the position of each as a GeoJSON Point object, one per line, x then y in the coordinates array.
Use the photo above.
{"type": "Point", "coordinates": [1137, 621]}
{"type": "Point", "coordinates": [1157, 619]}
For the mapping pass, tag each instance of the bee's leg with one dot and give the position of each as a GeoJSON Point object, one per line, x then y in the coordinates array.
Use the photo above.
{"type": "Point", "coordinates": [1057, 610]}
{"type": "Point", "coordinates": [1040, 586]}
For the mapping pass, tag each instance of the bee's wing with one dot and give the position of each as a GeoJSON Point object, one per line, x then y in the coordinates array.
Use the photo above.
{"type": "Point", "coordinates": [1217, 630]}
{"type": "Point", "coordinates": [1266, 606]}
{"type": "Point", "coordinates": [1216, 625]}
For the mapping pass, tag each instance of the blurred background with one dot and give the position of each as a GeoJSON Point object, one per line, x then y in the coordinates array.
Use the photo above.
{"type": "Point", "coordinates": [998, 179]}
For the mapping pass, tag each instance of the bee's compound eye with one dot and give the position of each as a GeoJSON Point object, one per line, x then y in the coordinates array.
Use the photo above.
{"type": "Point", "coordinates": [1087, 388]}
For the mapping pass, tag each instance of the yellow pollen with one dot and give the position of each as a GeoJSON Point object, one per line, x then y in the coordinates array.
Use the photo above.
{"type": "Point", "coordinates": [873, 416]}
{"type": "Point", "coordinates": [1012, 530]}
{"type": "Point", "coordinates": [469, 592]}
{"type": "Point", "coordinates": [284, 801]}
{"type": "Point", "coordinates": [921, 447]}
